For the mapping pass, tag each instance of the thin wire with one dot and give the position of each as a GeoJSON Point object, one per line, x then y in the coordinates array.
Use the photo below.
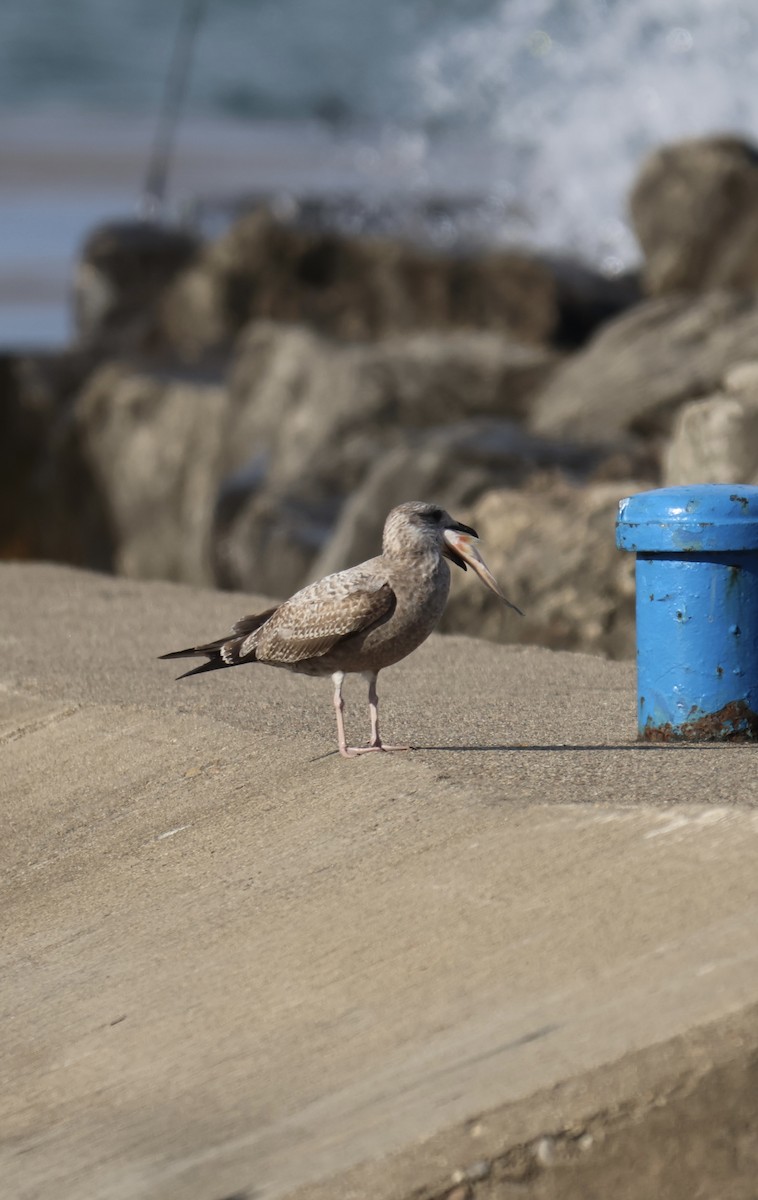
{"type": "Point", "coordinates": [153, 200]}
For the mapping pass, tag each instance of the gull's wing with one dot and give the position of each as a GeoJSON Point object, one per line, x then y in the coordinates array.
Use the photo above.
{"type": "Point", "coordinates": [316, 618]}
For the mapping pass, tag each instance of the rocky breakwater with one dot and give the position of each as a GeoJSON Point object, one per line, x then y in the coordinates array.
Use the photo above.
{"type": "Point", "coordinates": [243, 412]}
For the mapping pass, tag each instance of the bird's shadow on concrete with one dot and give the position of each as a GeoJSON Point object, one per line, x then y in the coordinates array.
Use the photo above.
{"type": "Point", "coordinates": [516, 748]}
{"type": "Point", "coordinates": [552, 748]}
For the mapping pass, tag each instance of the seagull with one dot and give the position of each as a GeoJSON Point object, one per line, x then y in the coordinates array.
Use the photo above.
{"type": "Point", "coordinates": [361, 620]}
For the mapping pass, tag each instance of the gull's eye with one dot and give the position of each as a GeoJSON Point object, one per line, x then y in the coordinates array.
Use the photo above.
{"type": "Point", "coordinates": [434, 515]}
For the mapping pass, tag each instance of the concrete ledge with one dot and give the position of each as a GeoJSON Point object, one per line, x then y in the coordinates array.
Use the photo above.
{"type": "Point", "coordinates": [237, 965]}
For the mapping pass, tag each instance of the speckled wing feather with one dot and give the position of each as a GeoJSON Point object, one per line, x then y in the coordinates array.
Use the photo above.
{"type": "Point", "coordinates": [315, 618]}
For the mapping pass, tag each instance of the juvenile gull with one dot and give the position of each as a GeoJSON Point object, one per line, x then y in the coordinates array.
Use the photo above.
{"type": "Point", "coordinates": [360, 620]}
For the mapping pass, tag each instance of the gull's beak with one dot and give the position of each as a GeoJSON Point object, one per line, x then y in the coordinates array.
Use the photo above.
{"type": "Point", "coordinates": [460, 548]}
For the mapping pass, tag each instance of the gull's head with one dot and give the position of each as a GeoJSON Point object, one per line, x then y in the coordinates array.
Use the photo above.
{"type": "Point", "coordinates": [417, 528]}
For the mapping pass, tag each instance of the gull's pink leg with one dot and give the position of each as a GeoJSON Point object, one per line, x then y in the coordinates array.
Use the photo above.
{"type": "Point", "coordinates": [338, 679]}
{"type": "Point", "coordinates": [376, 742]}
{"type": "Point", "coordinates": [339, 705]}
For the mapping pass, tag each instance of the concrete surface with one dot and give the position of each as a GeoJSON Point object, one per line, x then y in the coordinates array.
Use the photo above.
{"type": "Point", "coordinates": [521, 960]}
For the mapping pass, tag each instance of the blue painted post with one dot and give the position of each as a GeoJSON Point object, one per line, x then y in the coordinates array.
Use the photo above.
{"type": "Point", "coordinates": [697, 610]}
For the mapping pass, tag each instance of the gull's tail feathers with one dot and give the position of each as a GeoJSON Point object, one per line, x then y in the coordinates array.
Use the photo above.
{"type": "Point", "coordinates": [225, 651]}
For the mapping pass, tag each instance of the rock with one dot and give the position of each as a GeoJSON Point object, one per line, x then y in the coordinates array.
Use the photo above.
{"type": "Point", "coordinates": [433, 378]}
{"type": "Point", "coordinates": [179, 456]}
{"type": "Point", "coordinates": [355, 288]}
{"type": "Point", "coordinates": [123, 271]}
{"type": "Point", "coordinates": [241, 484]}
{"type": "Point", "coordinates": [452, 466]}
{"type": "Point", "coordinates": [317, 416]}
{"type": "Point", "coordinates": [50, 505]}
{"type": "Point", "coordinates": [307, 396]}
{"type": "Point", "coordinates": [283, 381]}
{"type": "Point", "coordinates": [157, 447]}
{"type": "Point", "coordinates": [552, 547]}
{"type": "Point", "coordinates": [642, 366]}
{"type": "Point", "coordinates": [587, 299]}
{"type": "Point", "coordinates": [270, 542]}
{"type": "Point", "coordinates": [695, 212]}
{"type": "Point", "coordinates": [352, 288]}
{"type": "Point", "coordinates": [715, 440]}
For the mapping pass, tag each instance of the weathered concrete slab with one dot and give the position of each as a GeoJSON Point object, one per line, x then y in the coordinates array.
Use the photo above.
{"type": "Point", "coordinates": [235, 964]}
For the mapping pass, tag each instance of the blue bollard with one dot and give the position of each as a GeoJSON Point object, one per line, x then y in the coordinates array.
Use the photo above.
{"type": "Point", "coordinates": [697, 610]}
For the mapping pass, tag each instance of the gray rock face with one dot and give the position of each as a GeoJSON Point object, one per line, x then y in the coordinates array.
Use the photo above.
{"type": "Point", "coordinates": [637, 371]}
{"type": "Point", "coordinates": [241, 484]}
{"type": "Point", "coordinates": [124, 270]}
{"type": "Point", "coordinates": [157, 448]}
{"type": "Point", "coordinates": [715, 440]}
{"type": "Point", "coordinates": [695, 212]}
{"type": "Point", "coordinates": [351, 288]}
{"type": "Point", "coordinates": [454, 466]}
{"type": "Point", "coordinates": [319, 407]}
{"type": "Point", "coordinates": [358, 289]}
{"type": "Point", "coordinates": [553, 551]}
{"type": "Point", "coordinates": [324, 414]}
{"type": "Point", "coordinates": [51, 506]}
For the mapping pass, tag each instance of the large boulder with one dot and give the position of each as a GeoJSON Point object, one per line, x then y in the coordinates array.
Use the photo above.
{"type": "Point", "coordinates": [123, 272]}
{"type": "Point", "coordinates": [695, 212]}
{"type": "Point", "coordinates": [176, 456]}
{"type": "Point", "coordinates": [351, 288]}
{"type": "Point", "coordinates": [51, 506]}
{"type": "Point", "coordinates": [454, 466]}
{"type": "Point", "coordinates": [715, 440]}
{"type": "Point", "coordinates": [552, 547]}
{"type": "Point", "coordinates": [320, 407]}
{"type": "Point", "coordinates": [358, 288]}
{"type": "Point", "coordinates": [641, 367]}
{"type": "Point", "coordinates": [240, 482]}
{"type": "Point", "coordinates": [318, 416]}
{"type": "Point", "coordinates": [157, 447]}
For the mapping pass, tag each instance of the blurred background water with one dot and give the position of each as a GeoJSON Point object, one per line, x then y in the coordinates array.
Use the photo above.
{"type": "Point", "coordinates": [542, 109]}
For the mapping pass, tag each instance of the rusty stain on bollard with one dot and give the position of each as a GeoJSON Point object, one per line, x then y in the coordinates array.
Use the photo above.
{"type": "Point", "coordinates": [697, 611]}
{"type": "Point", "coordinates": [735, 722]}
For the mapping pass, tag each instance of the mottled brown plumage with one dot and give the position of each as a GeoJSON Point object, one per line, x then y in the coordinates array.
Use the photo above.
{"type": "Point", "coordinates": [360, 620]}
